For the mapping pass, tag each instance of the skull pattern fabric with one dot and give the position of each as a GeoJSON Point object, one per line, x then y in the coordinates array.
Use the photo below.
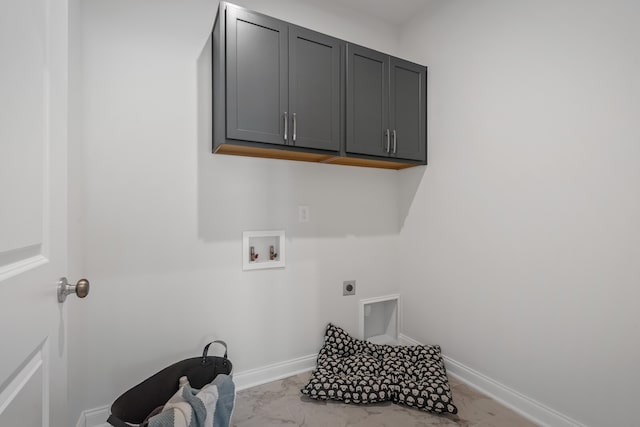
{"type": "Point", "coordinates": [357, 371]}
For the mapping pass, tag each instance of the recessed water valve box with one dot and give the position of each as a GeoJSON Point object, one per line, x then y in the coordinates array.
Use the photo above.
{"type": "Point", "coordinates": [262, 249]}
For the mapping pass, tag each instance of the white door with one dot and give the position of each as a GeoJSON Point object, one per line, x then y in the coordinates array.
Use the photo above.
{"type": "Point", "coordinates": [33, 209]}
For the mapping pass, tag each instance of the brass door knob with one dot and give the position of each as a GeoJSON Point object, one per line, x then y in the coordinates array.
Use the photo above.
{"type": "Point", "coordinates": [81, 289]}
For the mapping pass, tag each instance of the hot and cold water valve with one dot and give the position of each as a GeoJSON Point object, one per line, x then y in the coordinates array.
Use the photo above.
{"type": "Point", "coordinates": [263, 249]}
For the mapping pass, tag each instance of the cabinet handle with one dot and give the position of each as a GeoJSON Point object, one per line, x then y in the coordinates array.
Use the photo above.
{"type": "Point", "coordinates": [386, 133]}
{"type": "Point", "coordinates": [395, 142]}
{"type": "Point", "coordinates": [294, 127]}
{"type": "Point", "coordinates": [286, 125]}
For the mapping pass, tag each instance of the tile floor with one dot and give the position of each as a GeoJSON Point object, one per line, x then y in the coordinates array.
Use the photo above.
{"type": "Point", "coordinates": [280, 403]}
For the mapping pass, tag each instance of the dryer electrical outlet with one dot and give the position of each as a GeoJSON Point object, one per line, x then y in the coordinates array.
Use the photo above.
{"type": "Point", "coordinates": [349, 287]}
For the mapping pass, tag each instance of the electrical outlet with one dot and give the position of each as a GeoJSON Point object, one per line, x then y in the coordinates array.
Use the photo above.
{"type": "Point", "coordinates": [304, 213]}
{"type": "Point", "coordinates": [349, 287]}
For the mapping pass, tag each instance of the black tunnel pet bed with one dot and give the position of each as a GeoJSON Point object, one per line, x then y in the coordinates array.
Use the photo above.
{"type": "Point", "coordinates": [356, 371]}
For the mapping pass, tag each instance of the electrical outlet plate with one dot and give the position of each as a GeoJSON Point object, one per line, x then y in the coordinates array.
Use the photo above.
{"type": "Point", "coordinates": [349, 287]}
{"type": "Point", "coordinates": [303, 213]}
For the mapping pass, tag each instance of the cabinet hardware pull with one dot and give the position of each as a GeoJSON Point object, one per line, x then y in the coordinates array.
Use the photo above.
{"type": "Point", "coordinates": [386, 132]}
{"type": "Point", "coordinates": [294, 127]}
{"type": "Point", "coordinates": [286, 125]}
{"type": "Point", "coordinates": [395, 142]}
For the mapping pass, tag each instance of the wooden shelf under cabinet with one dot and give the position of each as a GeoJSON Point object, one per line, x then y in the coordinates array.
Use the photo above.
{"type": "Point", "coordinates": [271, 153]}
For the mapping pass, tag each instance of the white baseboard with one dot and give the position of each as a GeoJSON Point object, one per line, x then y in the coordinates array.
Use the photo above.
{"type": "Point", "coordinates": [405, 340]}
{"type": "Point", "coordinates": [246, 379]}
{"type": "Point", "coordinates": [277, 371]}
{"type": "Point", "coordinates": [96, 417]}
{"type": "Point", "coordinates": [529, 408]}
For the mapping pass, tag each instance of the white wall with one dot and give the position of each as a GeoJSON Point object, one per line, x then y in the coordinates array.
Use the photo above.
{"type": "Point", "coordinates": [521, 245]}
{"type": "Point", "coordinates": [518, 244]}
{"type": "Point", "coordinates": [162, 218]}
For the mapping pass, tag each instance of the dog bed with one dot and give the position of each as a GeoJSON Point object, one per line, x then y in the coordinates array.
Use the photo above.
{"type": "Point", "coordinates": [357, 371]}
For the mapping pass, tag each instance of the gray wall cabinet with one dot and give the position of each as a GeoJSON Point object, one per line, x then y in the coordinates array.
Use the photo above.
{"type": "Point", "coordinates": [257, 77]}
{"type": "Point", "coordinates": [282, 82]}
{"type": "Point", "coordinates": [314, 89]}
{"type": "Point", "coordinates": [367, 101]}
{"type": "Point", "coordinates": [283, 91]}
{"type": "Point", "coordinates": [386, 105]}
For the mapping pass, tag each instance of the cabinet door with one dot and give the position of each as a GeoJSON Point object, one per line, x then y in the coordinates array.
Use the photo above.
{"type": "Point", "coordinates": [314, 89]}
{"type": "Point", "coordinates": [257, 77]}
{"type": "Point", "coordinates": [407, 110]}
{"type": "Point", "coordinates": [367, 101]}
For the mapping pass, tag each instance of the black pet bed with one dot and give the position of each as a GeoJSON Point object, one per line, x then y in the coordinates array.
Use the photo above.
{"type": "Point", "coordinates": [356, 371]}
